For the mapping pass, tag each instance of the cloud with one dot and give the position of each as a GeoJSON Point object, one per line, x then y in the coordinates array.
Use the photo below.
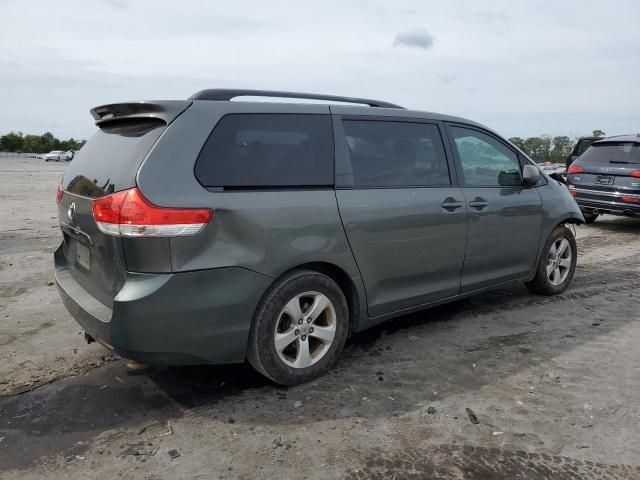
{"type": "Point", "coordinates": [122, 4]}
{"type": "Point", "coordinates": [417, 38]}
{"type": "Point", "coordinates": [447, 78]}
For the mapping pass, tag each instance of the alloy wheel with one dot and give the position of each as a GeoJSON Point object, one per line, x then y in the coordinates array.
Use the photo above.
{"type": "Point", "coordinates": [559, 261]}
{"type": "Point", "coordinates": [305, 329]}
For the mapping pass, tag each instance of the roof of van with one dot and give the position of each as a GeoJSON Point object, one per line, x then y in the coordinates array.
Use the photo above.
{"type": "Point", "coordinates": [344, 105]}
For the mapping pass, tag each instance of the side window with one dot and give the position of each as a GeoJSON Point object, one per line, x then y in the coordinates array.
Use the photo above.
{"type": "Point", "coordinates": [396, 154]}
{"type": "Point", "coordinates": [268, 150]}
{"type": "Point", "coordinates": [583, 145]}
{"type": "Point", "coordinates": [486, 162]}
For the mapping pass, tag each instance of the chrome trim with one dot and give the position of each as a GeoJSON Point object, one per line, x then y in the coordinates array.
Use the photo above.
{"type": "Point", "coordinates": [77, 231]}
{"type": "Point", "coordinates": [607, 206]}
{"type": "Point", "coordinates": [604, 193]}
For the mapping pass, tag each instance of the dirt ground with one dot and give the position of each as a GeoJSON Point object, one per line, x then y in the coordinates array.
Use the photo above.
{"type": "Point", "coordinates": [553, 381]}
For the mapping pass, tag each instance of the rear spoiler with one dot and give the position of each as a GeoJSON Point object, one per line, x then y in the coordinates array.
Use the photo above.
{"type": "Point", "coordinates": [164, 110]}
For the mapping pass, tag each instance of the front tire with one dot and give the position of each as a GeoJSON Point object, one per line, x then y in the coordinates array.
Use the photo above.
{"type": "Point", "coordinates": [557, 263]}
{"type": "Point", "coordinates": [299, 328]}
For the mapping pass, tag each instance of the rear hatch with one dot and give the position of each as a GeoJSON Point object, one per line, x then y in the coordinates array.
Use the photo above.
{"type": "Point", "coordinates": [106, 164]}
{"type": "Point", "coordinates": [608, 166]}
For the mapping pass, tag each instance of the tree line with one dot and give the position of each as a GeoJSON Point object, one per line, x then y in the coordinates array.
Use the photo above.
{"type": "Point", "coordinates": [548, 149]}
{"type": "Point", "coordinates": [19, 143]}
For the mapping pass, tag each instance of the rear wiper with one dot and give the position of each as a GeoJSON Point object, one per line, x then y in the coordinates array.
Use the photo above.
{"type": "Point", "coordinates": [618, 161]}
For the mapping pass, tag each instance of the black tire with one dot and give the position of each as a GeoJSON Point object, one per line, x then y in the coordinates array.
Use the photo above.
{"type": "Point", "coordinates": [541, 283]}
{"type": "Point", "coordinates": [261, 351]}
{"type": "Point", "coordinates": [590, 217]}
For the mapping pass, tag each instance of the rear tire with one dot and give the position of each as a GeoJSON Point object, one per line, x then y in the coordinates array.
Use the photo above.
{"type": "Point", "coordinates": [590, 217]}
{"type": "Point", "coordinates": [557, 263]}
{"type": "Point", "coordinates": [299, 328]}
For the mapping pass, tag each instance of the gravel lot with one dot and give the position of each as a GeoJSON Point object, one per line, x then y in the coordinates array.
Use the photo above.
{"type": "Point", "coordinates": [553, 381]}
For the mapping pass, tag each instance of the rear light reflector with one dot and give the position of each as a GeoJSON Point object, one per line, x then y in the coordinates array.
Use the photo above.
{"type": "Point", "coordinates": [575, 169]}
{"type": "Point", "coordinates": [59, 194]}
{"type": "Point", "coordinates": [635, 173]}
{"type": "Point", "coordinates": [631, 199]}
{"type": "Point", "coordinates": [129, 214]}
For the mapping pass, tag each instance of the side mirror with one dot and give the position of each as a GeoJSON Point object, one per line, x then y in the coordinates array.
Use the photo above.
{"type": "Point", "coordinates": [530, 176]}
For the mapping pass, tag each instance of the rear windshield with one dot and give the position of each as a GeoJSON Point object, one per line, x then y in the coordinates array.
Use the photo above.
{"type": "Point", "coordinates": [268, 150]}
{"type": "Point", "coordinates": [610, 152]}
{"type": "Point", "coordinates": [108, 162]}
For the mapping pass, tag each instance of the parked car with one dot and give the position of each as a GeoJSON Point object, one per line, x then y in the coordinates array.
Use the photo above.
{"type": "Point", "coordinates": [213, 231]}
{"type": "Point", "coordinates": [606, 178]}
{"type": "Point", "coordinates": [580, 147]}
{"type": "Point", "coordinates": [57, 155]}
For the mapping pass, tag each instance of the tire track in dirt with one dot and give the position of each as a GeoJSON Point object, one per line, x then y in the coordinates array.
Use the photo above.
{"type": "Point", "coordinates": [480, 463]}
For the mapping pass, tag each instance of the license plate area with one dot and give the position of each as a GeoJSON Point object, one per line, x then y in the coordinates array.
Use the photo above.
{"type": "Point", "coordinates": [83, 255]}
{"type": "Point", "coordinates": [605, 179]}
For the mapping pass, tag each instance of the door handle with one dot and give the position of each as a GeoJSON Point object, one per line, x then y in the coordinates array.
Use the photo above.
{"type": "Point", "coordinates": [450, 204]}
{"type": "Point", "coordinates": [479, 204]}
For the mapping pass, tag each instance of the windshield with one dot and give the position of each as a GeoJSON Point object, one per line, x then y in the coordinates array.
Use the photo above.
{"type": "Point", "coordinates": [612, 152]}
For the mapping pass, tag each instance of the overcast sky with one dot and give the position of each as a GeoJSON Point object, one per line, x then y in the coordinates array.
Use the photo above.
{"type": "Point", "coordinates": [522, 67]}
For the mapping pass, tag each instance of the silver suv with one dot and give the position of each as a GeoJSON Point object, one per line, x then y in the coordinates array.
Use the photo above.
{"type": "Point", "coordinates": [214, 231]}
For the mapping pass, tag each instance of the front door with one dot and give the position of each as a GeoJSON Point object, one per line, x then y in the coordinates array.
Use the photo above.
{"type": "Point", "coordinates": [504, 217]}
{"type": "Point", "coordinates": [404, 217]}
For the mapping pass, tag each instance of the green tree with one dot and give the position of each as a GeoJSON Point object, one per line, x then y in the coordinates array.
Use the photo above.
{"type": "Point", "coordinates": [518, 142]}
{"type": "Point", "coordinates": [11, 142]}
{"type": "Point", "coordinates": [538, 148]}
{"type": "Point", "coordinates": [562, 147]}
{"type": "Point", "coordinates": [33, 144]}
{"type": "Point", "coordinates": [16, 142]}
{"type": "Point", "coordinates": [598, 133]}
{"type": "Point", "coordinates": [49, 142]}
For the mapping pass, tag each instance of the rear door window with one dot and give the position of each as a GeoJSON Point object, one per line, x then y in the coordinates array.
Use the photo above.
{"type": "Point", "coordinates": [391, 154]}
{"type": "Point", "coordinates": [485, 161]}
{"type": "Point", "coordinates": [268, 150]}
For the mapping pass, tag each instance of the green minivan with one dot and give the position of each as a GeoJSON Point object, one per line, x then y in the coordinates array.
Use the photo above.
{"type": "Point", "coordinates": [212, 230]}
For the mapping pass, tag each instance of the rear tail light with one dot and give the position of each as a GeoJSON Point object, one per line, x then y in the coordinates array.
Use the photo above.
{"type": "Point", "coordinates": [575, 169]}
{"type": "Point", "coordinates": [572, 190]}
{"type": "Point", "coordinates": [635, 173]}
{"type": "Point", "coordinates": [59, 194]}
{"type": "Point", "coordinates": [129, 214]}
{"type": "Point", "coordinates": [631, 199]}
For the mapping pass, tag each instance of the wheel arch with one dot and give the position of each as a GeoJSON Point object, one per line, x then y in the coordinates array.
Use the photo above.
{"type": "Point", "coordinates": [569, 219]}
{"type": "Point", "coordinates": [352, 293]}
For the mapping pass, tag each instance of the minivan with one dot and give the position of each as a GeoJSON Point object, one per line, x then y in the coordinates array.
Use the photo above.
{"type": "Point", "coordinates": [213, 230]}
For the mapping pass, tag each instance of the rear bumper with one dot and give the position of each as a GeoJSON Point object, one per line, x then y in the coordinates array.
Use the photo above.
{"type": "Point", "coordinates": [185, 318]}
{"type": "Point", "coordinates": [610, 202]}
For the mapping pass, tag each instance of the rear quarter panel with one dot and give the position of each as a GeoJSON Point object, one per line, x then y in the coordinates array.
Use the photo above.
{"type": "Point", "coordinates": [268, 232]}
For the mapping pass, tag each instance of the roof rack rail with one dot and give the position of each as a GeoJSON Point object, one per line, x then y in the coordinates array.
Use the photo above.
{"type": "Point", "coordinates": [222, 94]}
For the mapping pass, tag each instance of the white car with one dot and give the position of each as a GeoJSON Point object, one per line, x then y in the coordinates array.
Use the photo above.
{"type": "Point", "coordinates": [57, 155]}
